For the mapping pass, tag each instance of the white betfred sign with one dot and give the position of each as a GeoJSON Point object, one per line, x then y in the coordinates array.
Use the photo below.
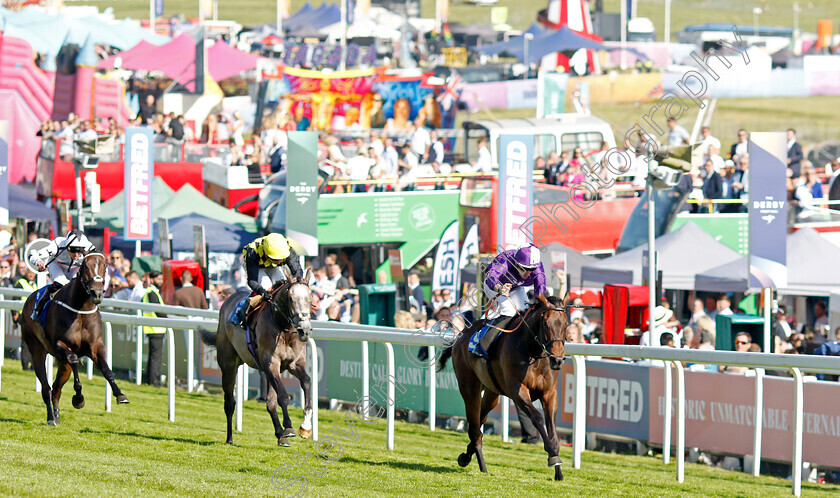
{"type": "Point", "coordinates": [139, 174]}
{"type": "Point", "coordinates": [446, 273]}
{"type": "Point", "coordinates": [515, 189]}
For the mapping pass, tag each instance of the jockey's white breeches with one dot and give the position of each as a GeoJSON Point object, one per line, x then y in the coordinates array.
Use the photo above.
{"type": "Point", "coordinates": [506, 306]}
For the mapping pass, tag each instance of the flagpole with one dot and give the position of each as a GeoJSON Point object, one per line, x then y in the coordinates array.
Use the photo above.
{"type": "Point", "coordinates": [152, 16]}
{"type": "Point", "coordinates": [343, 65]}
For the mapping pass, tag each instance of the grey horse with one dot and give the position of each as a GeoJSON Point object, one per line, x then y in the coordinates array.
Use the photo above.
{"type": "Point", "coordinates": [280, 329]}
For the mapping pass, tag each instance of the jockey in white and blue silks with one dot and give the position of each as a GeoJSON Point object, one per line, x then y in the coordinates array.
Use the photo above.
{"type": "Point", "coordinates": [62, 258]}
{"type": "Point", "coordinates": [506, 285]}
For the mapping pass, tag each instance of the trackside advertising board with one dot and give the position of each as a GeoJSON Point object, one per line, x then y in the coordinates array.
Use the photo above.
{"type": "Point", "coordinates": [516, 193]}
{"type": "Point", "coordinates": [139, 173]}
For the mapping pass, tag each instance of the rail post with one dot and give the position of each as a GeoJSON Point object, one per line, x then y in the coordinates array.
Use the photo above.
{"type": "Point", "coordinates": [138, 367]}
{"type": "Point", "coordinates": [798, 404]}
{"type": "Point", "coordinates": [680, 421]}
{"type": "Point", "coordinates": [505, 402]}
{"type": "Point", "coordinates": [758, 419]}
{"type": "Point", "coordinates": [313, 350]}
{"type": "Point", "coordinates": [390, 401]}
{"type": "Point", "coordinates": [432, 389]}
{"type": "Point", "coordinates": [365, 379]}
{"type": "Point", "coordinates": [666, 421]}
{"type": "Point", "coordinates": [109, 356]}
{"type": "Point", "coordinates": [190, 359]}
{"type": "Point", "coordinates": [170, 373]}
{"type": "Point", "coordinates": [579, 409]}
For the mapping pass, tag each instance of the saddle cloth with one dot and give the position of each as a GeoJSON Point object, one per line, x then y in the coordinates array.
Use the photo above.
{"type": "Point", "coordinates": [476, 337]}
{"type": "Point", "coordinates": [40, 294]}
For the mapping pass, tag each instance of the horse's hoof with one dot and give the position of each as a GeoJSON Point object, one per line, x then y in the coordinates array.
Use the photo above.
{"type": "Point", "coordinates": [558, 474]}
{"type": "Point", "coordinates": [229, 441]}
{"type": "Point", "coordinates": [78, 401]}
{"type": "Point", "coordinates": [464, 459]}
{"type": "Point", "coordinates": [289, 432]}
{"type": "Point", "coordinates": [305, 433]}
{"type": "Point", "coordinates": [554, 461]}
{"type": "Point", "coordinates": [283, 442]}
{"type": "Point", "coordinates": [52, 423]}
{"type": "Point", "coordinates": [122, 400]}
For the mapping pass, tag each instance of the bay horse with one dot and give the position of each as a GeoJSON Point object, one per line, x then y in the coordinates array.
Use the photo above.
{"type": "Point", "coordinates": [279, 330]}
{"type": "Point", "coordinates": [73, 329]}
{"type": "Point", "coordinates": [522, 365]}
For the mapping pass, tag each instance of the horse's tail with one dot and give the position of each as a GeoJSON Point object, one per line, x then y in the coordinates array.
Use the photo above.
{"type": "Point", "coordinates": [207, 337]}
{"type": "Point", "coordinates": [444, 357]}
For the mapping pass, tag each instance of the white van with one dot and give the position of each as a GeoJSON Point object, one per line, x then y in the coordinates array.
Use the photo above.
{"type": "Point", "coordinates": [560, 133]}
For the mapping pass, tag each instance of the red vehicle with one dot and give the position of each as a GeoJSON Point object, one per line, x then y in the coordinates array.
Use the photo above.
{"type": "Point", "coordinates": [596, 229]}
{"type": "Point", "coordinates": [175, 164]}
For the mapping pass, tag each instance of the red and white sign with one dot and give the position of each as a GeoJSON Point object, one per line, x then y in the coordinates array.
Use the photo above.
{"type": "Point", "coordinates": [139, 174]}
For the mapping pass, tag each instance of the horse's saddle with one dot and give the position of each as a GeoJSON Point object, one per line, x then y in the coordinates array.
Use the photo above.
{"type": "Point", "coordinates": [39, 295]}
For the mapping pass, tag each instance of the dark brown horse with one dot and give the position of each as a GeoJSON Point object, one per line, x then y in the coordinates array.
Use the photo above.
{"type": "Point", "coordinates": [73, 329]}
{"type": "Point", "coordinates": [280, 329]}
{"type": "Point", "coordinates": [524, 365]}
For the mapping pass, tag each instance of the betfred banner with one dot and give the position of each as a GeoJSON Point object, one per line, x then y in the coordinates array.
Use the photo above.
{"type": "Point", "coordinates": [139, 174]}
{"type": "Point", "coordinates": [616, 399]}
{"type": "Point", "coordinates": [767, 260]}
{"type": "Point", "coordinates": [302, 197]}
{"type": "Point", "coordinates": [470, 246]}
{"type": "Point", "coordinates": [720, 416]}
{"type": "Point", "coordinates": [4, 173]}
{"type": "Point", "coordinates": [516, 159]}
{"type": "Point", "coordinates": [446, 272]}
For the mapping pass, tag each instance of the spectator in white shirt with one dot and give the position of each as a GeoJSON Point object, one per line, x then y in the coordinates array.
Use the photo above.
{"type": "Point", "coordinates": [390, 158]}
{"type": "Point", "coordinates": [421, 139]}
{"type": "Point", "coordinates": [436, 152]}
{"type": "Point", "coordinates": [134, 291]}
{"type": "Point", "coordinates": [484, 163]}
{"type": "Point", "coordinates": [709, 145]}
{"type": "Point", "coordinates": [359, 169]}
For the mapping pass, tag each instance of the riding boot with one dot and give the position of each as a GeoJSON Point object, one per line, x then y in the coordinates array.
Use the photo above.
{"type": "Point", "coordinates": [39, 306]}
{"type": "Point", "coordinates": [495, 329]}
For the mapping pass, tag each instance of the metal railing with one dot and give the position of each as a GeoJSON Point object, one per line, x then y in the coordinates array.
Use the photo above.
{"type": "Point", "coordinates": [388, 336]}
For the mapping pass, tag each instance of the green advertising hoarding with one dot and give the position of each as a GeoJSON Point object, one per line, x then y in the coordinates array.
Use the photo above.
{"type": "Point", "coordinates": [412, 377]}
{"type": "Point", "coordinates": [416, 218]}
{"type": "Point", "coordinates": [731, 230]}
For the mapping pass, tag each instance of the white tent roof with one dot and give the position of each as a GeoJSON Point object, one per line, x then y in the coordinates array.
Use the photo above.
{"type": "Point", "coordinates": [362, 26]}
{"type": "Point", "coordinates": [682, 255]}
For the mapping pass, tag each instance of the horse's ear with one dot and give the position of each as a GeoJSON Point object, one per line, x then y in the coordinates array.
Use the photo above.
{"type": "Point", "coordinates": [308, 276]}
{"type": "Point", "coordinates": [566, 299]}
{"type": "Point", "coordinates": [543, 300]}
{"type": "Point", "coordinates": [287, 273]}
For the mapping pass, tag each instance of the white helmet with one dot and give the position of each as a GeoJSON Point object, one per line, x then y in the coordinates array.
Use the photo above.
{"type": "Point", "coordinates": [77, 238]}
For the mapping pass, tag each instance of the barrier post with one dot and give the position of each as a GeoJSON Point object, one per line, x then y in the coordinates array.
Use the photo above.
{"type": "Point", "coordinates": [390, 401]}
{"type": "Point", "coordinates": [170, 373]}
{"type": "Point", "coordinates": [505, 418]}
{"type": "Point", "coordinates": [365, 379]}
{"type": "Point", "coordinates": [138, 367]}
{"type": "Point", "coordinates": [109, 354]}
{"type": "Point", "coordinates": [49, 366]}
{"type": "Point", "coordinates": [759, 420]}
{"type": "Point", "coordinates": [432, 388]}
{"type": "Point", "coordinates": [666, 422]}
{"type": "Point", "coordinates": [798, 404]}
{"type": "Point", "coordinates": [89, 363]}
{"type": "Point", "coordinates": [190, 359]}
{"type": "Point", "coordinates": [680, 421]}
{"type": "Point", "coordinates": [245, 382]}
{"type": "Point", "coordinates": [579, 409]}
{"type": "Point", "coordinates": [237, 390]}
{"type": "Point", "coordinates": [313, 350]}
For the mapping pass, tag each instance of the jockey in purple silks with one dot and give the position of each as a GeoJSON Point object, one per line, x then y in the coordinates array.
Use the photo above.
{"type": "Point", "coordinates": [506, 285]}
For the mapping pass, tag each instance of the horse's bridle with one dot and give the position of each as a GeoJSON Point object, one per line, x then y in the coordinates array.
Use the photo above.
{"type": "Point", "coordinates": [279, 309]}
{"type": "Point", "coordinates": [545, 346]}
{"type": "Point", "coordinates": [86, 284]}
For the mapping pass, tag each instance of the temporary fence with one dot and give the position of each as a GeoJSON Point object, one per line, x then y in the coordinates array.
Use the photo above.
{"type": "Point", "coordinates": [388, 336]}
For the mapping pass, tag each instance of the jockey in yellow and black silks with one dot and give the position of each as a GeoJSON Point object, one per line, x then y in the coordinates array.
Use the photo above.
{"type": "Point", "coordinates": [264, 262]}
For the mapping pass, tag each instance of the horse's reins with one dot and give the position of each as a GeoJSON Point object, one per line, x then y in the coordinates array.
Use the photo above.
{"type": "Point", "coordinates": [86, 286]}
{"type": "Point", "coordinates": [544, 347]}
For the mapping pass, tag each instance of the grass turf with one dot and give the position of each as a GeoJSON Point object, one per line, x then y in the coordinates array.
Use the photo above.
{"type": "Point", "coordinates": [135, 450]}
